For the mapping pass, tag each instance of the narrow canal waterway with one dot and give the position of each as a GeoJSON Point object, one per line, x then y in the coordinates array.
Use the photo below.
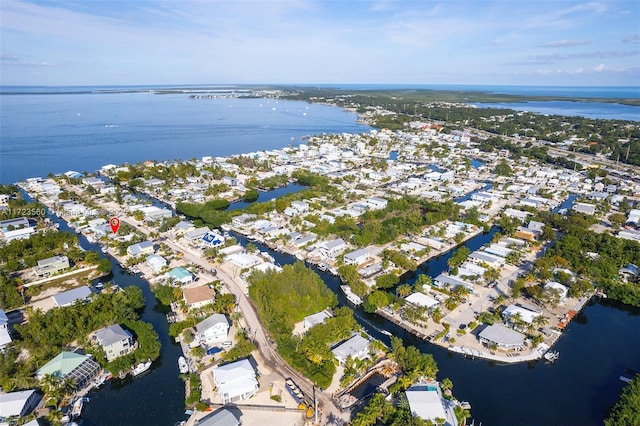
{"type": "Point", "coordinates": [577, 389]}
{"type": "Point", "coordinates": [153, 398]}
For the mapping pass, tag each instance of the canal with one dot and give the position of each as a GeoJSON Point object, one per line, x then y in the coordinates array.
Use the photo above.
{"type": "Point", "coordinates": [153, 398]}
{"type": "Point", "coordinates": [578, 389]}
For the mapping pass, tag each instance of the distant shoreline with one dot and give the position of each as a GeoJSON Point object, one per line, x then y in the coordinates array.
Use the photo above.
{"type": "Point", "coordinates": [450, 93]}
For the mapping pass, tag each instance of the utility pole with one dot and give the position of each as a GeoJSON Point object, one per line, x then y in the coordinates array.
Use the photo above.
{"type": "Point", "coordinates": [315, 405]}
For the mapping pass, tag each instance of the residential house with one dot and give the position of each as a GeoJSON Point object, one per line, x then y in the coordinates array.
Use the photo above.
{"type": "Point", "coordinates": [333, 248]}
{"type": "Point", "coordinates": [560, 290]}
{"type": "Point", "coordinates": [156, 263]}
{"type": "Point", "coordinates": [221, 417]}
{"type": "Point", "coordinates": [376, 203]}
{"type": "Point", "coordinates": [70, 297]}
{"type": "Point", "coordinates": [315, 319]}
{"type": "Point", "coordinates": [144, 248]}
{"type": "Point", "coordinates": [5, 338]}
{"type": "Point", "coordinates": [196, 297]}
{"type": "Point", "coordinates": [196, 234]}
{"type": "Point", "coordinates": [180, 275]}
{"type": "Point", "coordinates": [51, 266]}
{"type": "Point", "coordinates": [242, 221]}
{"type": "Point", "coordinates": [357, 257]}
{"type": "Point", "coordinates": [115, 340]}
{"type": "Point", "coordinates": [211, 239]}
{"type": "Point", "coordinates": [81, 369]}
{"type": "Point", "coordinates": [426, 401]}
{"type": "Point", "coordinates": [182, 227]}
{"type": "Point", "coordinates": [356, 347]}
{"type": "Point", "coordinates": [18, 234]}
{"type": "Point", "coordinates": [504, 338]}
{"type": "Point", "coordinates": [588, 209]}
{"type": "Point", "coordinates": [18, 404]}
{"type": "Point", "coordinates": [422, 300]}
{"type": "Point", "coordinates": [526, 315]}
{"type": "Point", "coordinates": [444, 281]}
{"type": "Point", "coordinates": [212, 329]}
{"type": "Point", "coordinates": [235, 381]}
{"type": "Point", "coordinates": [242, 260]}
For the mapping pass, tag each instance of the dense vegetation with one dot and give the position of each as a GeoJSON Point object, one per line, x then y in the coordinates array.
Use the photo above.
{"type": "Point", "coordinates": [20, 254]}
{"type": "Point", "coordinates": [403, 215]}
{"type": "Point", "coordinates": [573, 247]}
{"type": "Point", "coordinates": [284, 298]}
{"type": "Point", "coordinates": [413, 365]}
{"type": "Point", "coordinates": [626, 412]}
{"type": "Point", "coordinates": [46, 334]}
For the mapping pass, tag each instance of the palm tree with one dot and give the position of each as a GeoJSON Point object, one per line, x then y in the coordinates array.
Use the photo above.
{"type": "Point", "coordinates": [436, 314]}
{"type": "Point", "coordinates": [403, 290]}
{"type": "Point", "coordinates": [540, 321]}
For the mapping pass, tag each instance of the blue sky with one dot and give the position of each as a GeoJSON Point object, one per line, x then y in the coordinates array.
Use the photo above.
{"type": "Point", "coordinates": [509, 42]}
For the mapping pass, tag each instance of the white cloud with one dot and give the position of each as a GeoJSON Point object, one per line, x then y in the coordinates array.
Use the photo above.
{"type": "Point", "coordinates": [565, 43]}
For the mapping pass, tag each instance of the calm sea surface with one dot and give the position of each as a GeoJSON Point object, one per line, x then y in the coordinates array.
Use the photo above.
{"type": "Point", "coordinates": [56, 133]}
{"type": "Point", "coordinates": [606, 111]}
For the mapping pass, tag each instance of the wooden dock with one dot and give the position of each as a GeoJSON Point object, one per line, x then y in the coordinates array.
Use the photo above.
{"type": "Point", "coordinates": [402, 324]}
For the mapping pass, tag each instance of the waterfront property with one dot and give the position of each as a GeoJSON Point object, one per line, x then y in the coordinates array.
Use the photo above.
{"type": "Point", "coordinates": [426, 401]}
{"type": "Point", "coordinates": [180, 275]}
{"type": "Point", "coordinates": [196, 297]}
{"type": "Point", "coordinates": [115, 341]}
{"type": "Point", "coordinates": [502, 337]}
{"type": "Point", "coordinates": [235, 381]}
{"type": "Point", "coordinates": [221, 417]}
{"type": "Point", "coordinates": [70, 297]}
{"type": "Point", "coordinates": [51, 266]}
{"type": "Point", "coordinates": [81, 369]}
{"type": "Point", "coordinates": [141, 249]}
{"type": "Point", "coordinates": [356, 347]}
{"type": "Point", "coordinates": [212, 329]}
{"type": "Point", "coordinates": [357, 257]}
{"type": "Point", "coordinates": [18, 404]}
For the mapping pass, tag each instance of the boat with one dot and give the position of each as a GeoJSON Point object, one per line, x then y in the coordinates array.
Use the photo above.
{"type": "Point", "coordinates": [350, 295]}
{"type": "Point", "coordinates": [551, 356]}
{"type": "Point", "coordinates": [182, 365]}
{"type": "Point", "coordinates": [99, 381]}
{"type": "Point", "coordinates": [76, 408]}
{"type": "Point", "coordinates": [141, 368]}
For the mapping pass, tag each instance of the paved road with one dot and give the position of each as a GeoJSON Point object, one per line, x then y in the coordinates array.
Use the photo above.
{"type": "Point", "coordinates": [331, 415]}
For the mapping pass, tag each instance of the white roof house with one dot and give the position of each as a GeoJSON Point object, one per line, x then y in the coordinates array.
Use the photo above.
{"type": "Point", "coordinates": [156, 262]}
{"type": "Point", "coordinates": [69, 297]}
{"type": "Point", "coordinates": [18, 404]}
{"type": "Point", "coordinates": [315, 319]}
{"type": "Point", "coordinates": [18, 234]}
{"type": "Point", "coordinates": [425, 401]}
{"type": "Point", "coordinates": [421, 299]}
{"type": "Point", "coordinates": [503, 337]}
{"type": "Point", "coordinates": [356, 347]}
{"type": "Point", "coordinates": [242, 260]}
{"type": "Point", "coordinates": [235, 381]}
{"type": "Point", "coordinates": [526, 315]}
{"type": "Point", "coordinates": [145, 247]}
{"type": "Point", "coordinates": [5, 338]}
{"type": "Point", "coordinates": [333, 248]}
{"type": "Point", "coordinates": [357, 257]}
{"type": "Point", "coordinates": [557, 287]}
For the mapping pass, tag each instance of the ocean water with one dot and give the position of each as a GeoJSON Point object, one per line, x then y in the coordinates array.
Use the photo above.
{"type": "Point", "coordinates": [57, 132]}
{"type": "Point", "coordinates": [607, 111]}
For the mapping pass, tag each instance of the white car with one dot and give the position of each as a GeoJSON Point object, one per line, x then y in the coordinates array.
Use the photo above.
{"type": "Point", "coordinates": [227, 344]}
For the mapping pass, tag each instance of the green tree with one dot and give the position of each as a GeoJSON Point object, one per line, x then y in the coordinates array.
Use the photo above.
{"type": "Point", "coordinates": [626, 412]}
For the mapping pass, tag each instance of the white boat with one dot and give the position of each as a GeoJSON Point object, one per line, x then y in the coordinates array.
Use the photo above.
{"type": "Point", "coordinates": [551, 356]}
{"type": "Point", "coordinates": [182, 365]}
{"type": "Point", "coordinates": [99, 381]}
{"type": "Point", "coordinates": [141, 368]}
{"type": "Point", "coordinates": [350, 295]}
{"type": "Point", "coordinates": [76, 409]}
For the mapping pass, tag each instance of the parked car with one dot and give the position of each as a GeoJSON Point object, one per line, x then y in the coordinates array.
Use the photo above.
{"type": "Point", "coordinates": [227, 344]}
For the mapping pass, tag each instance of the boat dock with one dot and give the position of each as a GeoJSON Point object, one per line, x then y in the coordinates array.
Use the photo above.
{"type": "Point", "coordinates": [402, 324]}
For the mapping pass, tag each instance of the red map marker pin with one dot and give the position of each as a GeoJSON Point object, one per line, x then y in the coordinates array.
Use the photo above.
{"type": "Point", "coordinates": [115, 224]}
